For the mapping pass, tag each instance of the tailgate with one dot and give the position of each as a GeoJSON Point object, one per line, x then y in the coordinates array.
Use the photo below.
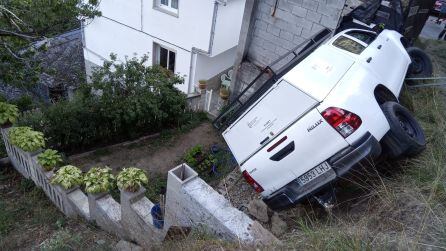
{"type": "Point", "coordinates": [275, 111]}
{"type": "Point", "coordinates": [313, 141]}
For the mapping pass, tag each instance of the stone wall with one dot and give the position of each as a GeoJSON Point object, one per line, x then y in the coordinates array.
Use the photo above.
{"type": "Point", "coordinates": [190, 202]}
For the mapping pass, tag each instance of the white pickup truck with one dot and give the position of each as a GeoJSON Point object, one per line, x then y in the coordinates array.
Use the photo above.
{"type": "Point", "coordinates": [335, 108]}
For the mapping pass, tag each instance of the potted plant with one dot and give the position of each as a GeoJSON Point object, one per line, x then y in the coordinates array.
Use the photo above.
{"type": "Point", "coordinates": [26, 139]}
{"type": "Point", "coordinates": [131, 179]}
{"type": "Point", "coordinates": [99, 180]}
{"type": "Point", "coordinates": [202, 84]}
{"type": "Point", "coordinates": [224, 93]}
{"type": "Point", "coordinates": [49, 159]}
{"type": "Point", "coordinates": [8, 114]}
{"type": "Point", "coordinates": [194, 156]}
{"type": "Point", "coordinates": [68, 177]}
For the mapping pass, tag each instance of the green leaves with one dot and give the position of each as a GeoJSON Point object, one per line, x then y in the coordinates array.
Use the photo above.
{"type": "Point", "coordinates": [131, 179]}
{"type": "Point", "coordinates": [49, 159]}
{"type": "Point", "coordinates": [8, 113]}
{"type": "Point", "coordinates": [26, 139]}
{"type": "Point", "coordinates": [135, 100]}
{"type": "Point", "coordinates": [99, 180]}
{"type": "Point", "coordinates": [68, 177]}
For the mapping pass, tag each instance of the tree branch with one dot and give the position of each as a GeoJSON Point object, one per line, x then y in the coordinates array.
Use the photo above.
{"type": "Point", "coordinates": [15, 34]}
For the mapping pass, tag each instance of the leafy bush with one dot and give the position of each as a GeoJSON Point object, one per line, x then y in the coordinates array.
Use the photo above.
{"type": "Point", "coordinates": [123, 101]}
{"type": "Point", "coordinates": [194, 155]}
{"type": "Point", "coordinates": [26, 139]}
{"type": "Point", "coordinates": [131, 179]}
{"type": "Point", "coordinates": [68, 177]}
{"type": "Point", "coordinates": [99, 180]}
{"type": "Point", "coordinates": [49, 159]}
{"type": "Point", "coordinates": [8, 113]}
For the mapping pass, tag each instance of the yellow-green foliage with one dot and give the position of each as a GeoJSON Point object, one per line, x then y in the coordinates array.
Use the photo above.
{"type": "Point", "coordinates": [8, 113]}
{"type": "Point", "coordinates": [68, 177]}
{"type": "Point", "coordinates": [26, 138]}
{"type": "Point", "coordinates": [99, 180]}
{"type": "Point", "coordinates": [49, 159]}
{"type": "Point", "coordinates": [131, 179]}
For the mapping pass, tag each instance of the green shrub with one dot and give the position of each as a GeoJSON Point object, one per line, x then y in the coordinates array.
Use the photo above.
{"type": "Point", "coordinates": [26, 139]}
{"type": "Point", "coordinates": [8, 113]}
{"type": "Point", "coordinates": [194, 155]}
{"type": "Point", "coordinates": [24, 103]}
{"type": "Point", "coordinates": [49, 159]}
{"type": "Point", "coordinates": [99, 180]}
{"type": "Point", "coordinates": [68, 177]}
{"type": "Point", "coordinates": [131, 179]}
{"type": "Point", "coordinates": [135, 100]}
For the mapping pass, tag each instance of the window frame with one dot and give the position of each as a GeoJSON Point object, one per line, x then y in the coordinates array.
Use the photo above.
{"type": "Point", "coordinates": [362, 43]}
{"type": "Point", "coordinates": [157, 56]}
{"type": "Point", "coordinates": [168, 9]}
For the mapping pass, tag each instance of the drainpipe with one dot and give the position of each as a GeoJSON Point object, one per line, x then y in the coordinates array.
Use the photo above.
{"type": "Point", "coordinates": [195, 51]}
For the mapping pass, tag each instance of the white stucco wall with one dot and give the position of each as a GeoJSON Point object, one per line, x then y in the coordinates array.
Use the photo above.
{"type": "Point", "coordinates": [228, 25]}
{"type": "Point", "coordinates": [208, 67]}
{"type": "Point", "coordinates": [103, 36]}
{"type": "Point", "coordinates": [130, 27]}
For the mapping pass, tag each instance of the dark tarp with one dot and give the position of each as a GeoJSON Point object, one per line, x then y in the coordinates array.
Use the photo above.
{"type": "Point", "coordinates": [408, 21]}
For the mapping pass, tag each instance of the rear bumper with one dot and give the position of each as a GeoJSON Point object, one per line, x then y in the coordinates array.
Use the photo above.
{"type": "Point", "coordinates": [342, 162]}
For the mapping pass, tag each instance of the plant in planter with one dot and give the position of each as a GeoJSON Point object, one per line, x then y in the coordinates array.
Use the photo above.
{"type": "Point", "coordinates": [68, 177]}
{"type": "Point", "coordinates": [131, 179]}
{"type": "Point", "coordinates": [26, 138]}
{"type": "Point", "coordinates": [49, 159]}
{"type": "Point", "coordinates": [202, 84]}
{"type": "Point", "coordinates": [207, 165]}
{"type": "Point", "coordinates": [8, 114]}
{"type": "Point", "coordinates": [224, 93]}
{"type": "Point", "coordinates": [194, 156]}
{"type": "Point", "coordinates": [99, 180]}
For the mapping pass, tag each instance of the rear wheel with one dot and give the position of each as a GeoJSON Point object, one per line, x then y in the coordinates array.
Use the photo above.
{"type": "Point", "coordinates": [421, 65]}
{"type": "Point", "coordinates": [405, 137]}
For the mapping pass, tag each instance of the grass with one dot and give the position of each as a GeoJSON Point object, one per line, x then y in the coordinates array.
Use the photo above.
{"type": "Point", "coordinates": [28, 220]}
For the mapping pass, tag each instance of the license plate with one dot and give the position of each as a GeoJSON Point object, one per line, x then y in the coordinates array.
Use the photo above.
{"type": "Point", "coordinates": [314, 173]}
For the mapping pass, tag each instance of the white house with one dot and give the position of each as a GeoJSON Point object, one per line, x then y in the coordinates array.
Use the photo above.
{"type": "Point", "coordinates": [196, 39]}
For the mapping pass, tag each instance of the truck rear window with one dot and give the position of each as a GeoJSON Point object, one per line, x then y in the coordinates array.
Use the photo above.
{"type": "Point", "coordinates": [364, 36]}
{"type": "Point", "coordinates": [349, 45]}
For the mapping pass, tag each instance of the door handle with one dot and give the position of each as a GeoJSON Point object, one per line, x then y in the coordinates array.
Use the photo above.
{"type": "Point", "coordinates": [283, 152]}
{"type": "Point", "coordinates": [379, 47]}
{"type": "Point", "coordinates": [369, 60]}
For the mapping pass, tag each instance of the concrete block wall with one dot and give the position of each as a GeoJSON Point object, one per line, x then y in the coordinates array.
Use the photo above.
{"type": "Point", "coordinates": [190, 202]}
{"type": "Point", "coordinates": [293, 22]}
{"type": "Point", "coordinates": [265, 37]}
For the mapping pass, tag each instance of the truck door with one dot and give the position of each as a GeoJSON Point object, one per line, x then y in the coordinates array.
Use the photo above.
{"type": "Point", "coordinates": [385, 56]}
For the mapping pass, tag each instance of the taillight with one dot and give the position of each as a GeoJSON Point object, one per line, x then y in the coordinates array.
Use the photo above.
{"type": "Point", "coordinates": [343, 121]}
{"type": "Point", "coordinates": [258, 188]}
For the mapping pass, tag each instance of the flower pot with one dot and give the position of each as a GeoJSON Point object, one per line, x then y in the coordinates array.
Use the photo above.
{"type": "Point", "coordinates": [224, 93]}
{"type": "Point", "coordinates": [202, 84]}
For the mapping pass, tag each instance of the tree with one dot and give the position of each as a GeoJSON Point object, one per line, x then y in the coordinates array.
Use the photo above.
{"type": "Point", "coordinates": [25, 22]}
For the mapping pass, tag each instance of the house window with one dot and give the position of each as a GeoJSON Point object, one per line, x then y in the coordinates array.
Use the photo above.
{"type": "Point", "coordinates": [165, 57]}
{"type": "Point", "coordinates": [169, 6]}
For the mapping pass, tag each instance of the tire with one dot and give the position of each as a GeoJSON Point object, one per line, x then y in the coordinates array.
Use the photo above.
{"type": "Point", "coordinates": [405, 137]}
{"type": "Point", "coordinates": [421, 66]}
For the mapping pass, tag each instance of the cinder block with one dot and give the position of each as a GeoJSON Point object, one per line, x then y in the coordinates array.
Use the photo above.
{"type": "Point", "coordinates": [299, 11]}
{"type": "Point", "coordinates": [273, 30]}
{"type": "Point", "coordinates": [310, 5]}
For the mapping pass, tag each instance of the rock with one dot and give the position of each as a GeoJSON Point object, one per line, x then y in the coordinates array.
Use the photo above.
{"type": "Point", "coordinates": [259, 210]}
{"type": "Point", "coordinates": [100, 242]}
{"type": "Point", "coordinates": [127, 246]}
{"type": "Point", "coordinates": [278, 226]}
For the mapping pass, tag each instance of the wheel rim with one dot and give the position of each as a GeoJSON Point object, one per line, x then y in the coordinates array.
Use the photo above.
{"type": "Point", "coordinates": [417, 65]}
{"type": "Point", "coordinates": [407, 125]}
